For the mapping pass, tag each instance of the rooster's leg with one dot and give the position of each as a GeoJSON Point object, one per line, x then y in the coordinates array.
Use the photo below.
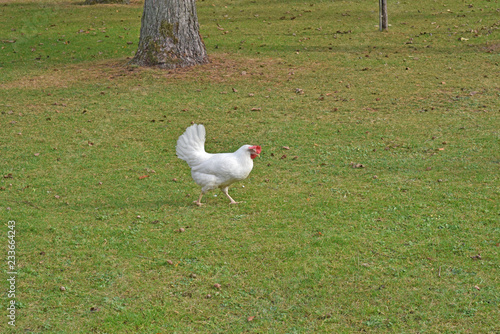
{"type": "Point", "coordinates": [198, 202]}
{"type": "Point", "coordinates": [224, 190]}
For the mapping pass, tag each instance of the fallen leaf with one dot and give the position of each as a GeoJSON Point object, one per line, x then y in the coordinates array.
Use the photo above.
{"type": "Point", "coordinates": [170, 262]}
{"type": "Point", "coordinates": [143, 177]}
{"type": "Point", "coordinates": [251, 318]}
{"type": "Point", "coordinates": [256, 109]}
{"type": "Point", "coordinates": [326, 316]}
{"type": "Point", "coordinates": [37, 154]}
{"type": "Point", "coordinates": [217, 286]}
{"type": "Point", "coordinates": [285, 147]}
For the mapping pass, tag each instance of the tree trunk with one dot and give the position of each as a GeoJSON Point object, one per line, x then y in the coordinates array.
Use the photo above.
{"type": "Point", "coordinates": [383, 20]}
{"type": "Point", "coordinates": [170, 35]}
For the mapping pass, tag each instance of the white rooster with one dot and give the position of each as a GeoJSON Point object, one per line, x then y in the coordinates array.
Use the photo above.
{"type": "Point", "coordinates": [211, 171]}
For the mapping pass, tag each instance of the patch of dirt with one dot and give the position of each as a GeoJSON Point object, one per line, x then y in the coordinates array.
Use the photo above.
{"type": "Point", "coordinates": [491, 47]}
{"type": "Point", "coordinates": [223, 66]}
{"type": "Point", "coordinates": [219, 69]}
{"type": "Point", "coordinates": [68, 75]}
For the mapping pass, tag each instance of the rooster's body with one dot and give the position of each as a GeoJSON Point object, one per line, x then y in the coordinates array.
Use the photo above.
{"type": "Point", "coordinates": [211, 171]}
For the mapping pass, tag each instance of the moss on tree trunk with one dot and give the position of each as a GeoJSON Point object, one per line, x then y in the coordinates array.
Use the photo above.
{"type": "Point", "coordinates": [170, 35]}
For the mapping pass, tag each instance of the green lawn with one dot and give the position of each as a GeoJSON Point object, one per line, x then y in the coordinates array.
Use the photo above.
{"type": "Point", "coordinates": [382, 216]}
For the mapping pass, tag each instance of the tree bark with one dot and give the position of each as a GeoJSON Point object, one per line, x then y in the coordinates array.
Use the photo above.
{"type": "Point", "coordinates": [170, 35]}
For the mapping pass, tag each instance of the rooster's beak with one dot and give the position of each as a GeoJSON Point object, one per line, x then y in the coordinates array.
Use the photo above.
{"type": "Point", "coordinates": [255, 151]}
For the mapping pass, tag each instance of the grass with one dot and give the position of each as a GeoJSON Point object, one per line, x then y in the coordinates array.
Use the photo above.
{"type": "Point", "coordinates": [408, 242]}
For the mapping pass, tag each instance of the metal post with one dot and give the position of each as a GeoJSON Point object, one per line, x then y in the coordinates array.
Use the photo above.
{"type": "Point", "coordinates": [383, 15]}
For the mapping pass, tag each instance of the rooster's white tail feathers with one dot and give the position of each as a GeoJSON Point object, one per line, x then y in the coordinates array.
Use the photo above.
{"type": "Point", "coordinates": [191, 145]}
